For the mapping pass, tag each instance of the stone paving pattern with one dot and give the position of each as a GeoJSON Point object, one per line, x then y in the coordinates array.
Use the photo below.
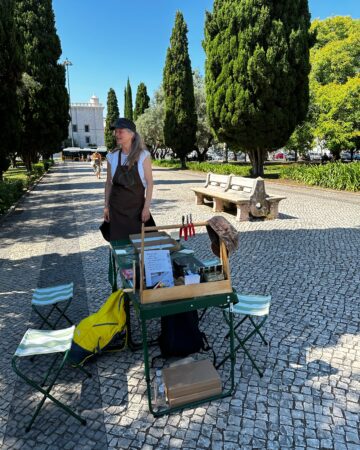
{"type": "Point", "coordinates": [308, 260]}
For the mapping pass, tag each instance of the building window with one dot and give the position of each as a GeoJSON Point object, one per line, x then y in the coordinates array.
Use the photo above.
{"type": "Point", "coordinates": [75, 128]}
{"type": "Point", "coordinates": [87, 140]}
{"type": "Point", "coordinates": [87, 128]}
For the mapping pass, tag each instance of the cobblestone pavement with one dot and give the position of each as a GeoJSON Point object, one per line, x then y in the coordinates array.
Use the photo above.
{"type": "Point", "coordinates": [308, 260]}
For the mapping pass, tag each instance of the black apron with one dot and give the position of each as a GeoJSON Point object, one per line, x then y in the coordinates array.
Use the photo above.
{"type": "Point", "coordinates": [127, 198]}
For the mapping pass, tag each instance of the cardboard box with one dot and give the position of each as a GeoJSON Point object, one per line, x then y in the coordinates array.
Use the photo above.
{"type": "Point", "coordinates": [189, 382]}
{"type": "Point", "coordinates": [193, 397]}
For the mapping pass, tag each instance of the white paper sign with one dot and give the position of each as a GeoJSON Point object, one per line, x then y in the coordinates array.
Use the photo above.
{"type": "Point", "coordinates": [158, 269]}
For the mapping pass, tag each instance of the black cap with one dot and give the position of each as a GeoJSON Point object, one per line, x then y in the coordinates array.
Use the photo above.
{"type": "Point", "coordinates": [123, 123]}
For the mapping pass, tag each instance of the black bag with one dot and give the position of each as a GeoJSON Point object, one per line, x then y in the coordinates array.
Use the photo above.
{"type": "Point", "coordinates": [180, 335]}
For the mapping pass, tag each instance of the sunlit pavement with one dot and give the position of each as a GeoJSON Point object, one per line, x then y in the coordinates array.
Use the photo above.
{"type": "Point", "coordinates": [308, 260]}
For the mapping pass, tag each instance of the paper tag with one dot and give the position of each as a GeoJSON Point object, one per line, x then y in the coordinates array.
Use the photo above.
{"type": "Point", "coordinates": [120, 251]}
{"type": "Point", "coordinates": [186, 251]}
{"type": "Point", "coordinates": [193, 278]}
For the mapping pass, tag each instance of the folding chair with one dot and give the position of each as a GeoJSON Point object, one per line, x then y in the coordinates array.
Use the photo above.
{"type": "Point", "coordinates": [42, 342]}
{"type": "Point", "coordinates": [53, 296]}
{"type": "Point", "coordinates": [250, 306]}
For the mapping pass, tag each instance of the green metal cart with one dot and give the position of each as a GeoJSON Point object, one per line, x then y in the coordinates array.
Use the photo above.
{"type": "Point", "coordinates": [150, 311]}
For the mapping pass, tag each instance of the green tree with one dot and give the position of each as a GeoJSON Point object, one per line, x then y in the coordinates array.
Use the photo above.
{"type": "Point", "coordinates": [204, 135]}
{"type": "Point", "coordinates": [334, 83]}
{"type": "Point", "coordinates": [10, 80]}
{"type": "Point", "coordinates": [301, 141]}
{"type": "Point", "coordinates": [336, 55]}
{"type": "Point", "coordinates": [180, 115]}
{"type": "Point", "coordinates": [151, 125]}
{"type": "Point", "coordinates": [256, 73]}
{"type": "Point", "coordinates": [111, 116]}
{"type": "Point", "coordinates": [338, 120]}
{"type": "Point", "coordinates": [44, 98]}
{"type": "Point", "coordinates": [142, 101]}
{"type": "Point", "coordinates": [128, 105]}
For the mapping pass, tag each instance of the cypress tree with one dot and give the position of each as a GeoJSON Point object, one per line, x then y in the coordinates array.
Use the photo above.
{"type": "Point", "coordinates": [180, 114]}
{"type": "Point", "coordinates": [10, 79]}
{"type": "Point", "coordinates": [142, 101]}
{"type": "Point", "coordinates": [45, 101]}
{"type": "Point", "coordinates": [111, 116]}
{"type": "Point", "coordinates": [128, 108]}
{"type": "Point", "coordinates": [257, 67]}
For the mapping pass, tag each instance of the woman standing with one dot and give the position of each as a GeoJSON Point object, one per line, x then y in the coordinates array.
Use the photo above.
{"type": "Point", "coordinates": [129, 183]}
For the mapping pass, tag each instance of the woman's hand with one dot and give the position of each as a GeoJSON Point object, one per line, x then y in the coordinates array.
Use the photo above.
{"type": "Point", "coordinates": [145, 215]}
{"type": "Point", "coordinates": [106, 215]}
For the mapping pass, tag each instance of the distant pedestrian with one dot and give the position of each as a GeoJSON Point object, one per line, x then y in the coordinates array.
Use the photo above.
{"type": "Point", "coordinates": [97, 162]}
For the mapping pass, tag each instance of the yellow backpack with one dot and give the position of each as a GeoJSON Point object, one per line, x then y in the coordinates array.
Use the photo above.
{"type": "Point", "coordinates": [95, 332]}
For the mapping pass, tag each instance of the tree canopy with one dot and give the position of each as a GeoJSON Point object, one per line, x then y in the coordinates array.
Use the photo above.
{"type": "Point", "coordinates": [335, 83]}
{"type": "Point", "coordinates": [257, 67]}
{"type": "Point", "coordinates": [180, 115]}
{"type": "Point", "coordinates": [141, 101]}
{"type": "Point", "coordinates": [10, 80]}
{"type": "Point", "coordinates": [128, 104]}
{"type": "Point", "coordinates": [44, 98]}
{"type": "Point", "coordinates": [111, 116]}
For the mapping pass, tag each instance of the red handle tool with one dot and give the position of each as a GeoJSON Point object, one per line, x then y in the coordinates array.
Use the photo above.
{"type": "Point", "coordinates": [191, 227]}
{"type": "Point", "coordinates": [183, 229]}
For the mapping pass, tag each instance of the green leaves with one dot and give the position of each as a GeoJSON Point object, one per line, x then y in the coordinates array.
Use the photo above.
{"type": "Point", "coordinates": [44, 98]}
{"type": "Point", "coordinates": [335, 82]}
{"type": "Point", "coordinates": [142, 101]}
{"type": "Point", "coordinates": [10, 81]}
{"type": "Point", "coordinates": [180, 116]}
{"type": "Point", "coordinates": [112, 115]}
{"type": "Point", "coordinates": [257, 66]}
{"type": "Point", "coordinates": [128, 104]}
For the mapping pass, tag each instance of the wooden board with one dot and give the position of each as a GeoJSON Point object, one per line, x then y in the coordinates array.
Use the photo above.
{"type": "Point", "coordinates": [182, 291]}
{"type": "Point", "coordinates": [158, 240]}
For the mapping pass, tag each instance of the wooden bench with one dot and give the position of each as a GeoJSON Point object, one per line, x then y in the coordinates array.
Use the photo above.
{"type": "Point", "coordinates": [247, 194]}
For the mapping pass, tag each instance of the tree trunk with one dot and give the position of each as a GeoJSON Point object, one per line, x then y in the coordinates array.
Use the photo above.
{"type": "Point", "coordinates": [183, 162]}
{"type": "Point", "coordinates": [226, 152]}
{"type": "Point", "coordinates": [257, 162]}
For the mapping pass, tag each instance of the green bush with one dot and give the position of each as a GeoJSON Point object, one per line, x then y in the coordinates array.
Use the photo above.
{"type": "Point", "coordinates": [38, 169]}
{"type": "Point", "coordinates": [335, 175]}
{"type": "Point", "coordinates": [10, 192]}
{"type": "Point", "coordinates": [224, 169]}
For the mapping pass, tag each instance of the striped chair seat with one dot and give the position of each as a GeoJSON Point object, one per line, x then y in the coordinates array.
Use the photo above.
{"type": "Point", "coordinates": [41, 342]}
{"type": "Point", "coordinates": [249, 306]}
{"type": "Point", "coordinates": [44, 342]}
{"type": "Point", "coordinates": [252, 305]}
{"type": "Point", "coordinates": [52, 295]}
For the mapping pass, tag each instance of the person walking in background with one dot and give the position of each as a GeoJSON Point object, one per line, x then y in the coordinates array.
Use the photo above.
{"type": "Point", "coordinates": [96, 162]}
{"type": "Point", "coordinates": [129, 183]}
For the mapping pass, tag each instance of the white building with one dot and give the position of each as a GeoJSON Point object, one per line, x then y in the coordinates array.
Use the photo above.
{"type": "Point", "coordinates": [87, 123]}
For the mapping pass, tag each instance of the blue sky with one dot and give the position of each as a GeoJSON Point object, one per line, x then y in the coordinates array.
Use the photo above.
{"type": "Point", "coordinates": [110, 40]}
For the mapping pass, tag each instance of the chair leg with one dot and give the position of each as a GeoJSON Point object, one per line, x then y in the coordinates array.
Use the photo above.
{"type": "Point", "coordinates": [46, 392]}
{"type": "Point", "coordinates": [44, 318]}
{"type": "Point", "coordinates": [237, 325]}
{"type": "Point", "coordinates": [61, 312]}
{"type": "Point", "coordinates": [241, 344]}
{"type": "Point", "coordinates": [257, 328]}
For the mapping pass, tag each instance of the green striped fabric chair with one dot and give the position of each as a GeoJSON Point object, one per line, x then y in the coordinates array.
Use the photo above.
{"type": "Point", "coordinates": [250, 306]}
{"type": "Point", "coordinates": [42, 342]}
{"type": "Point", "coordinates": [53, 297]}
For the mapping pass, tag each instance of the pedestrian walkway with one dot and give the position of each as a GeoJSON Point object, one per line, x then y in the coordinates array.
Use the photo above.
{"type": "Point", "coordinates": [308, 260]}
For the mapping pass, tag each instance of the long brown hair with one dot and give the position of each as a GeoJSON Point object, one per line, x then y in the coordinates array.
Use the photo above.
{"type": "Point", "coordinates": [137, 146]}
